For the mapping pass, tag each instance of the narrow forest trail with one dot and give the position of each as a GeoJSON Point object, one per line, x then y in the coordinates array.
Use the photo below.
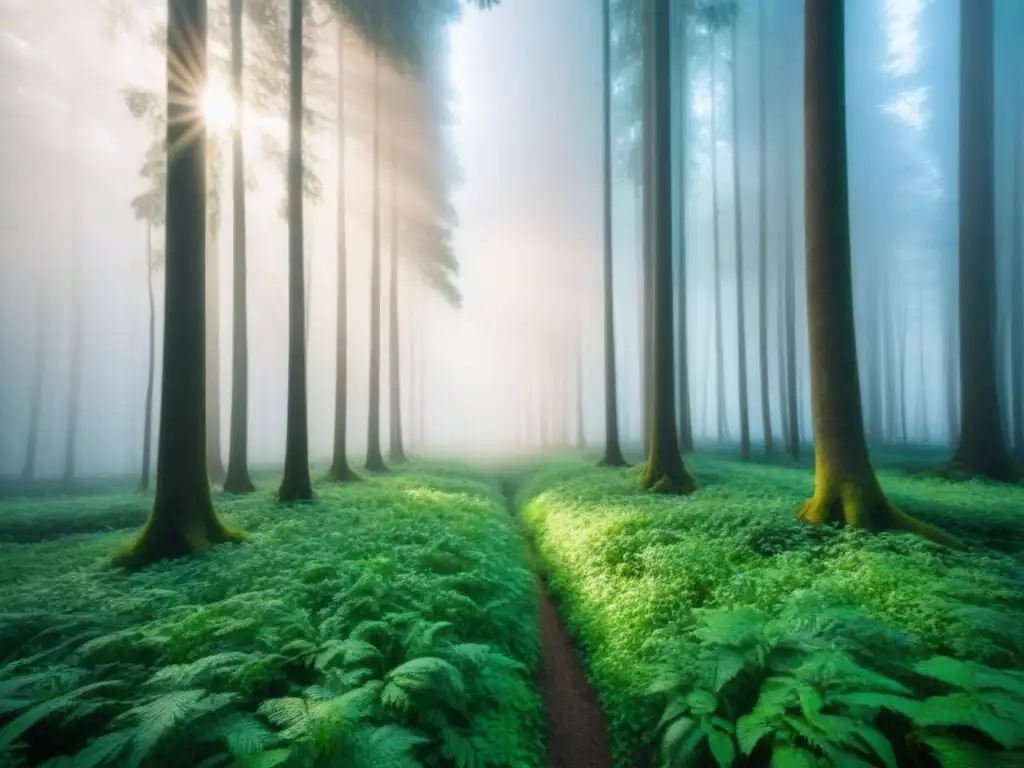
{"type": "Point", "coordinates": [575, 725]}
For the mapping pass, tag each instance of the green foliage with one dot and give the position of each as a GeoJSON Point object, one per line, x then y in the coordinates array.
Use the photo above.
{"type": "Point", "coordinates": [719, 630]}
{"type": "Point", "coordinates": [389, 623]}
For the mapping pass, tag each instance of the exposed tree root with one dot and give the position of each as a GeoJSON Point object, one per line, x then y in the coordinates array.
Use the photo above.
{"type": "Point", "coordinates": [613, 459]}
{"type": "Point", "coordinates": [342, 474]}
{"type": "Point", "coordinates": [658, 479]}
{"type": "Point", "coordinates": [238, 484]}
{"type": "Point", "coordinates": [864, 505]}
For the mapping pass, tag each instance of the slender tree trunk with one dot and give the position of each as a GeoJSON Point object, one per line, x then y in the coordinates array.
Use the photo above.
{"type": "Point", "coordinates": [1017, 287]}
{"type": "Point", "coordinates": [902, 362]}
{"type": "Point", "coordinates": [612, 449]}
{"type": "Point", "coordinates": [783, 355]}
{"type": "Point", "coordinates": [647, 264]}
{"type": "Point", "coordinates": [238, 479]}
{"type": "Point", "coordinates": [951, 361]}
{"type": "Point", "coordinates": [183, 519]}
{"type": "Point", "coordinates": [374, 458]}
{"type": "Point", "coordinates": [792, 401]}
{"type": "Point", "coordinates": [296, 484]}
{"type": "Point", "coordinates": [214, 464]}
{"type": "Point", "coordinates": [705, 425]}
{"type": "Point", "coordinates": [720, 408]}
{"type": "Point", "coordinates": [762, 245]}
{"type": "Point", "coordinates": [982, 449]}
{"type": "Point", "coordinates": [396, 448]}
{"type": "Point", "coordinates": [77, 349]}
{"type": "Point", "coordinates": [581, 429]}
{"type": "Point", "coordinates": [845, 486]}
{"type": "Point", "coordinates": [681, 56]}
{"type": "Point", "coordinates": [664, 471]}
{"type": "Point", "coordinates": [741, 322]}
{"type": "Point", "coordinates": [147, 421]}
{"type": "Point", "coordinates": [42, 325]}
{"type": "Point", "coordinates": [308, 272]}
{"type": "Point", "coordinates": [340, 470]}
{"type": "Point", "coordinates": [922, 380]}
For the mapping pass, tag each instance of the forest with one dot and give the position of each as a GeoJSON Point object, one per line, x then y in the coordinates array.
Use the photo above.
{"type": "Point", "coordinates": [512, 383]}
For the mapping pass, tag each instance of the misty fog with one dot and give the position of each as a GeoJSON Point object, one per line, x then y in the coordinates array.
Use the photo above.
{"type": "Point", "coordinates": [525, 125]}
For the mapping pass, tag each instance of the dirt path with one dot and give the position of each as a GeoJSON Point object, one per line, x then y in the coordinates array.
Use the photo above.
{"type": "Point", "coordinates": [575, 723]}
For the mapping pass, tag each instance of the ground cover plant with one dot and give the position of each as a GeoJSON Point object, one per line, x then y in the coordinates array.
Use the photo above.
{"type": "Point", "coordinates": [720, 630]}
{"type": "Point", "coordinates": [390, 622]}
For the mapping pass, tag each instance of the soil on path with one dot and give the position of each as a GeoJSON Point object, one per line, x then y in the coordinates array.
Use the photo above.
{"type": "Point", "coordinates": [575, 722]}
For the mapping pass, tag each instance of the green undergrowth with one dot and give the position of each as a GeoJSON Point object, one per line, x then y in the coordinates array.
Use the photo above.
{"type": "Point", "coordinates": [391, 622]}
{"type": "Point", "coordinates": [720, 630]}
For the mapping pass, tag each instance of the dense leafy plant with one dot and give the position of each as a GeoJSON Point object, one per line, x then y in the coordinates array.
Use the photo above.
{"type": "Point", "coordinates": [721, 631]}
{"type": "Point", "coordinates": [389, 623]}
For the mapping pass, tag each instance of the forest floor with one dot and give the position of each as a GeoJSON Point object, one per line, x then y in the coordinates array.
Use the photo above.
{"type": "Point", "coordinates": [721, 630]}
{"type": "Point", "coordinates": [404, 615]}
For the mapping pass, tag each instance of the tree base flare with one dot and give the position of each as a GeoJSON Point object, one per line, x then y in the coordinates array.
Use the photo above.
{"type": "Point", "coordinates": [959, 472]}
{"type": "Point", "coordinates": [342, 473]}
{"type": "Point", "coordinates": [860, 505]}
{"type": "Point", "coordinates": [376, 464]}
{"type": "Point", "coordinates": [238, 483]}
{"type": "Point", "coordinates": [168, 539]}
{"type": "Point", "coordinates": [613, 460]}
{"type": "Point", "coordinates": [659, 480]}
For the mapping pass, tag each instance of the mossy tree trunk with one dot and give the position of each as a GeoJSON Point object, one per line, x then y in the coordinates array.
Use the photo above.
{"type": "Point", "coordinates": [846, 488]}
{"type": "Point", "coordinates": [612, 449]}
{"type": "Point", "coordinates": [238, 480]}
{"type": "Point", "coordinates": [183, 520]}
{"type": "Point", "coordinates": [340, 470]}
{"type": "Point", "coordinates": [374, 457]}
{"type": "Point", "coordinates": [296, 484]}
{"type": "Point", "coordinates": [762, 237]}
{"type": "Point", "coordinates": [982, 447]}
{"type": "Point", "coordinates": [664, 471]}
{"type": "Point", "coordinates": [147, 421]}
{"type": "Point", "coordinates": [396, 448]}
{"type": "Point", "coordinates": [741, 315]}
{"type": "Point", "coordinates": [42, 327]}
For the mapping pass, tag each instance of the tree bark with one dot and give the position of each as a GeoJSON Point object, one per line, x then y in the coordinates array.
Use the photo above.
{"type": "Point", "coordinates": [77, 350]}
{"type": "Point", "coordinates": [238, 480]}
{"type": "Point", "coordinates": [612, 449]}
{"type": "Point", "coordinates": [214, 464]}
{"type": "Point", "coordinates": [42, 325]}
{"type": "Point", "coordinates": [846, 488]}
{"type": "Point", "coordinates": [762, 243]}
{"type": "Point", "coordinates": [664, 471]}
{"type": "Point", "coordinates": [374, 458]}
{"type": "Point", "coordinates": [183, 520]}
{"type": "Point", "coordinates": [681, 49]}
{"type": "Point", "coordinates": [296, 484]}
{"type": "Point", "coordinates": [396, 449]}
{"type": "Point", "coordinates": [340, 470]}
{"type": "Point", "coordinates": [792, 406]}
{"type": "Point", "coordinates": [982, 448]}
{"type": "Point", "coordinates": [741, 331]}
{"type": "Point", "coordinates": [720, 412]}
{"type": "Point", "coordinates": [147, 422]}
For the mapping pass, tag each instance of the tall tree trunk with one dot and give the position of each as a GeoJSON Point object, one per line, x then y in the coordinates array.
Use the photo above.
{"type": "Point", "coordinates": [612, 449]}
{"type": "Point", "coordinates": [982, 448]}
{"type": "Point", "coordinates": [762, 243]}
{"type": "Point", "coordinates": [308, 272]}
{"type": "Point", "coordinates": [792, 400]}
{"type": "Point", "coordinates": [340, 470]}
{"type": "Point", "coordinates": [296, 484]}
{"type": "Point", "coordinates": [374, 458]}
{"type": "Point", "coordinates": [147, 421]}
{"type": "Point", "coordinates": [183, 519]}
{"type": "Point", "coordinates": [741, 323]}
{"type": "Point", "coordinates": [42, 325]}
{"type": "Point", "coordinates": [720, 412]}
{"type": "Point", "coordinates": [782, 364]}
{"type": "Point", "coordinates": [682, 334]}
{"type": "Point", "coordinates": [396, 450]}
{"type": "Point", "coordinates": [922, 379]}
{"type": "Point", "coordinates": [902, 362]}
{"type": "Point", "coordinates": [664, 471]}
{"type": "Point", "coordinates": [238, 479]}
{"type": "Point", "coordinates": [214, 464]}
{"type": "Point", "coordinates": [647, 264]}
{"type": "Point", "coordinates": [845, 486]}
{"type": "Point", "coordinates": [581, 429]}
{"type": "Point", "coordinates": [951, 362]}
{"type": "Point", "coordinates": [1017, 286]}
{"type": "Point", "coordinates": [77, 344]}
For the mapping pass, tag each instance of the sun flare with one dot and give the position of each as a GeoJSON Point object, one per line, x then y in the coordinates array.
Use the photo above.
{"type": "Point", "coordinates": [219, 107]}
